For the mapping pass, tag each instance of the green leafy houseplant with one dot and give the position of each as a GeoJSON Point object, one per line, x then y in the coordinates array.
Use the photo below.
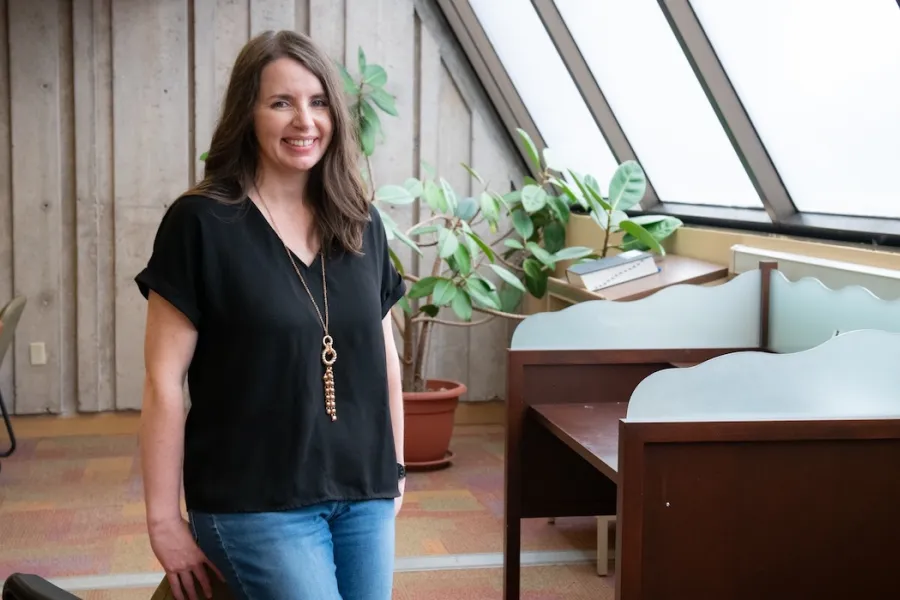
{"type": "Point", "coordinates": [560, 192]}
{"type": "Point", "coordinates": [466, 274]}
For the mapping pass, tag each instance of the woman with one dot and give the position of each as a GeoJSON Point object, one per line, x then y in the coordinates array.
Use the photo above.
{"type": "Point", "coordinates": [269, 287]}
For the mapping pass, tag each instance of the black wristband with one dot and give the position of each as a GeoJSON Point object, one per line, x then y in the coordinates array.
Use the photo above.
{"type": "Point", "coordinates": [401, 471]}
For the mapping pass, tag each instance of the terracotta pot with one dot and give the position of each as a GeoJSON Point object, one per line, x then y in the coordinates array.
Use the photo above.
{"type": "Point", "coordinates": [428, 423]}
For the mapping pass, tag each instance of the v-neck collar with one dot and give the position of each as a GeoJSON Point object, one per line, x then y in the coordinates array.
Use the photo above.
{"type": "Point", "coordinates": [274, 233]}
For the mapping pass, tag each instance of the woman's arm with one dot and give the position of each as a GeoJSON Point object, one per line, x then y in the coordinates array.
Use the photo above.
{"type": "Point", "coordinates": [395, 390]}
{"type": "Point", "coordinates": [169, 344]}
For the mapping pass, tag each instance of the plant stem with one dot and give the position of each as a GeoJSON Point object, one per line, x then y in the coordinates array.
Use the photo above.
{"type": "Point", "coordinates": [409, 366]}
{"type": "Point", "coordinates": [418, 383]}
{"type": "Point", "coordinates": [606, 237]}
{"type": "Point", "coordinates": [437, 321]}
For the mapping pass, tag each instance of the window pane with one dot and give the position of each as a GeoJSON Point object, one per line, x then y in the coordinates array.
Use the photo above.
{"type": "Point", "coordinates": [658, 101]}
{"type": "Point", "coordinates": [546, 88]}
{"type": "Point", "coordinates": [820, 83]}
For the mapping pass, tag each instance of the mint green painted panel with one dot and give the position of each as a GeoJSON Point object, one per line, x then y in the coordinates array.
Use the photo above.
{"type": "Point", "coordinates": [854, 375]}
{"type": "Point", "coordinates": [681, 316]}
{"type": "Point", "coordinates": [805, 313]}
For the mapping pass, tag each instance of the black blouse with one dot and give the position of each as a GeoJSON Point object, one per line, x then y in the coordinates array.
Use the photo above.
{"type": "Point", "coordinates": [257, 435]}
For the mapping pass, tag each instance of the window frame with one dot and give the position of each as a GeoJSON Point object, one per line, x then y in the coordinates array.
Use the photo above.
{"type": "Point", "coordinates": [779, 214]}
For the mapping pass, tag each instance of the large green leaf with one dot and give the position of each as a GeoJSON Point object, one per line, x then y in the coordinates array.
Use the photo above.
{"type": "Point", "coordinates": [430, 309]}
{"type": "Point", "coordinates": [350, 87]}
{"type": "Point", "coordinates": [490, 208]}
{"type": "Point", "coordinates": [463, 259]}
{"type": "Point", "coordinates": [627, 186]}
{"type": "Point", "coordinates": [423, 287]}
{"type": "Point", "coordinates": [374, 75]}
{"type": "Point", "coordinates": [534, 198]}
{"type": "Point", "coordinates": [513, 243]}
{"type": "Point", "coordinates": [510, 298]}
{"type": "Point", "coordinates": [659, 226]}
{"type": "Point", "coordinates": [384, 101]}
{"type": "Point", "coordinates": [423, 229]}
{"type": "Point", "coordinates": [466, 208]}
{"type": "Point", "coordinates": [522, 223]}
{"type": "Point", "coordinates": [591, 191]}
{"type": "Point", "coordinates": [559, 208]}
{"type": "Point", "coordinates": [481, 294]}
{"type": "Point", "coordinates": [447, 244]}
{"type": "Point", "coordinates": [473, 173]}
{"type": "Point", "coordinates": [398, 264]}
{"type": "Point", "coordinates": [462, 305]}
{"type": "Point", "coordinates": [403, 303]}
{"type": "Point", "coordinates": [449, 195]}
{"type": "Point", "coordinates": [394, 194]}
{"type": "Point", "coordinates": [434, 197]}
{"type": "Point", "coordinates": [508, 277]}
{"type": "Point", "coordinates": [554, 236]}
{"type": "Point", "coordinates": [542, 255]}
{"type": "Point", "coordinates": [369, 114]}
{"type": "Point", "coordinates": [530, 149]}
{"type": "Point", "coordinates": [535, 278]}
{"type": "Point", "coordinates": [488, 251]}
{"type": "Point", "coordinates": [573, 253]}
{"type": "Point", "coordinates": [367, 136]}
{"type": "Point", "coordinates": [642, 235]}
{"type": "Point", "coordinates": [444, 292]}
{"type": "Point", "coordinates": [361, 59]}
{"type": "Point", "coordinates": [572, 192]}
{"type": "Point", "coordinates": [414, 186]}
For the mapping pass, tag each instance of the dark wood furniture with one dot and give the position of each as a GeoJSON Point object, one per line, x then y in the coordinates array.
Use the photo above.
{"type": "Point", "coordinates": [760, 509]}
{"type": "Point", "coordinates": [569, 453]}
{"type": "Point", "coordinates": [546, 386]}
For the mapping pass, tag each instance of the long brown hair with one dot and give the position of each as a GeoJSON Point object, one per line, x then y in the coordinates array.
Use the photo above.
{"type": "Point", "coordinates": [335, 186]}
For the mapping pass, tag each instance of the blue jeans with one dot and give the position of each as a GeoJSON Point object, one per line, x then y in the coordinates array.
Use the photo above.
{"type": "Point", "coordinates": [329, 551]}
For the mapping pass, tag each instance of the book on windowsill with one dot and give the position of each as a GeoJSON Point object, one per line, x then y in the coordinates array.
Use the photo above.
{"type": "Point", "coordinates": [602, 273]}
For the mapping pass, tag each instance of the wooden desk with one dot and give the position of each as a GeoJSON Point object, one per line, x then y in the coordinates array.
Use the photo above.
{"type": "Point", "coordinates": [561, 458]}
{"type": "Point", "coordinates": [591, 430]}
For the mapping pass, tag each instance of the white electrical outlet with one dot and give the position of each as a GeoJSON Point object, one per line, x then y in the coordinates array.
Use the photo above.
{"type": "Point", "coordinates": [38, 352]}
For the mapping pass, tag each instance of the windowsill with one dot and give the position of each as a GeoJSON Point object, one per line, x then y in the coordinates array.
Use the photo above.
{"type": "Point", "coordinates": [840, 228]}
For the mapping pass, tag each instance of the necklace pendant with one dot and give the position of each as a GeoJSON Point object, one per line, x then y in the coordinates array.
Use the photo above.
{"type": "Point", "coordinates": [329, 356]}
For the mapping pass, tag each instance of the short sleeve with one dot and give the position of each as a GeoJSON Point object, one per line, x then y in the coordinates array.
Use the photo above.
{"type": "Point", "coordinates": [392, 284]}
{"type": "Point", "coordinates": [174, 268]}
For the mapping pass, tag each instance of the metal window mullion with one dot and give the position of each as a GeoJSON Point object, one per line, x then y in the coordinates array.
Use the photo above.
{"type": "Point", "coordinates": [493, 76]}
{"type": "Point", "coordinates": [729, 109]}
{"type": "Point", "coordinates": [590, 91]}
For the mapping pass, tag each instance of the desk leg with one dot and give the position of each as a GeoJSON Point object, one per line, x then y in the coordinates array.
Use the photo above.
{"type": "Point", "coordinates": [603, 544]}
{"type": "Point", "coordinates": [512, 554]}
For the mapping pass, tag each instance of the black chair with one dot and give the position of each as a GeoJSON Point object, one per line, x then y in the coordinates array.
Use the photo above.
{"type": "Point", "coordinates": [9, 318]}
{"type": "Point", "coordinates": [25, 586]}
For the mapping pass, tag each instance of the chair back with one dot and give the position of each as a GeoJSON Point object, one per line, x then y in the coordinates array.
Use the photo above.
{"type": "Point", "coordinates": [9, 316]}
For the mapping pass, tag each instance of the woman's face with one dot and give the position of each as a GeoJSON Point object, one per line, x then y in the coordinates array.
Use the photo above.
{"type": "Point", "coordinates": [292, 119]}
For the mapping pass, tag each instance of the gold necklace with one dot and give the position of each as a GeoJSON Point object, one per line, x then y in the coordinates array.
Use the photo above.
{"type": "Point", "coordinates": [329, 354]}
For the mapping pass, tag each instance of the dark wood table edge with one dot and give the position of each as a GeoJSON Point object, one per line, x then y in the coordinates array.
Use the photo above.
{"type": "Point", "coordinates": [564, 436]}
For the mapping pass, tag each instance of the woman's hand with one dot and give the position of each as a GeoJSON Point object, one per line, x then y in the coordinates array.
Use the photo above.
{"type": "Point", "coordinates": [182, 559]}
{"type": "Point", "coordinates": [398, 501]}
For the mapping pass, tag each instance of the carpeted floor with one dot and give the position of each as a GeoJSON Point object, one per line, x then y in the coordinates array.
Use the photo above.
{"type": "Point", "coordinates": [73, 506]}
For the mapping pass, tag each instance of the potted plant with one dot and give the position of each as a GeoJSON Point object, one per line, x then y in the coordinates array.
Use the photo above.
{"type": "Point", "coordinates": [467, 273]}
